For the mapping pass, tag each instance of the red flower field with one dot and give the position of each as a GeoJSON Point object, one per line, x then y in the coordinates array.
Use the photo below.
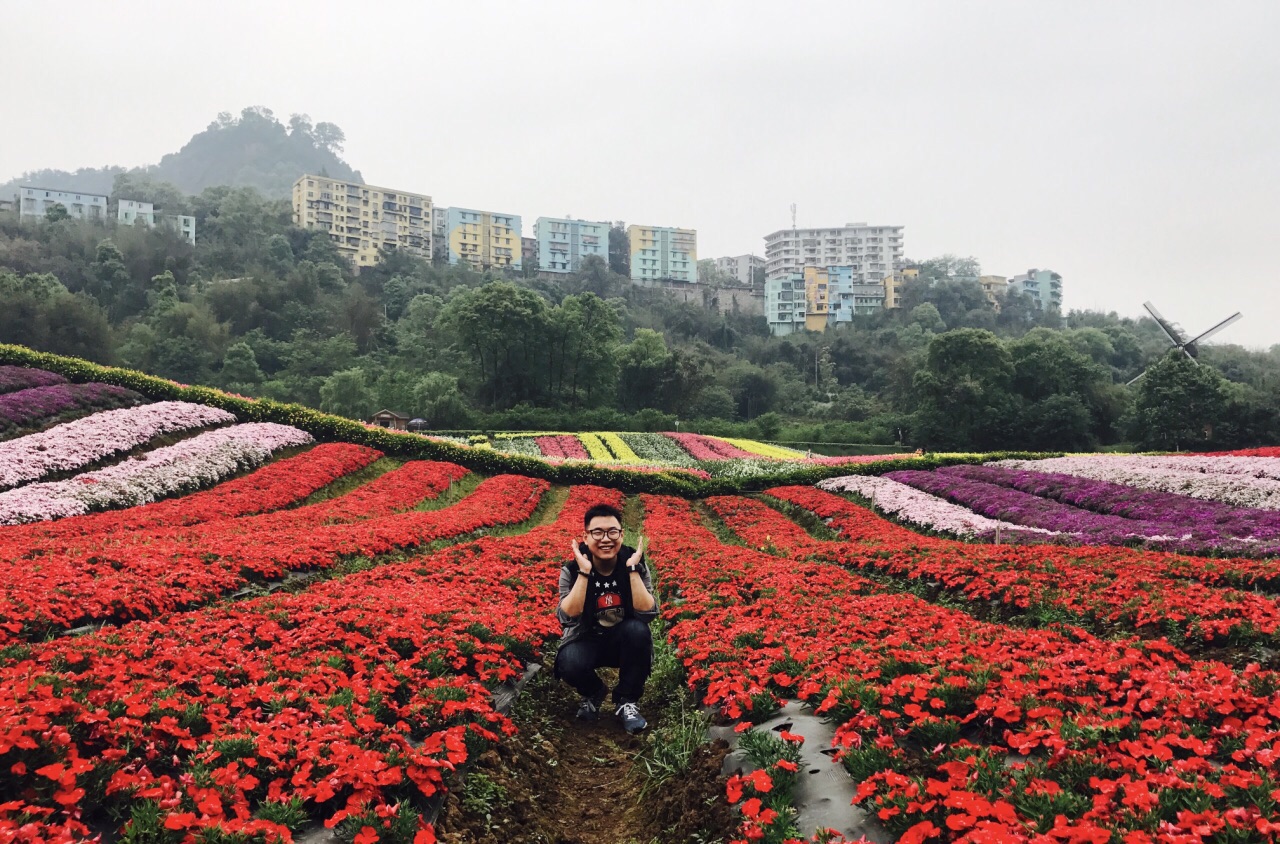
{"type": "Point", "coordinates": [254, 660]}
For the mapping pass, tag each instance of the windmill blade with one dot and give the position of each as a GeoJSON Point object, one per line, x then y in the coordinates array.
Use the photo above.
{"type": "Point", "coordinates": [1136, 378]}
{"type": "Point", "coordinates": [1169, 331]}
{"type": "Point", "coordinates": [1236, 317]}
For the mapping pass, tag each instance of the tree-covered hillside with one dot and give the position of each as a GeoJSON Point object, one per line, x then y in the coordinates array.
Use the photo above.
{"type": "Point", "coordinates": [265, 309]}
{"type": "Point", "coordinates": [253, 150]}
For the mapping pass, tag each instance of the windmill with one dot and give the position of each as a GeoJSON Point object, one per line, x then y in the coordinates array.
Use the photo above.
{"type": "Point", "coordinates": [1178, 337]}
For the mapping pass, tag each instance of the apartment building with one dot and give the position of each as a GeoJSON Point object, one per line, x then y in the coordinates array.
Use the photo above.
{"type": "Point", "coordinates": [893, 286]}
{"type": "Point", "coordinates": [785, 304]}
{"type": "Point", "coordinates": [659, 253]}
{"type": "Point", "coordinates": [34, 203]}
{"type": "Point", "coordinates": [363, 221]}
{"type": "Point", "coordinates": [873, 252]}
{"type": "Point", "coordinates": [529, 251]}
{"type": "Point", "coordinates": [993, 286]}
{"type": "Point", "coordinates": [847, 298]}
{"type": "Point", "coordinates": [484, 239]}
{"type": "Point", "coordinates": [741, 268]}
{"type": "Point", "coordinates": [132, 212]}
{"type": "Point", "coordinates": [1044, 286]}
{"type": "Point", "coordinates": [183, 224]}
{"type": "Point", "coordinates": [563, 242]}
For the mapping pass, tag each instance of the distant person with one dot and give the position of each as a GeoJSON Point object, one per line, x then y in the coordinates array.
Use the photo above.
{"type": "Point", "coordinates": [606, 604]}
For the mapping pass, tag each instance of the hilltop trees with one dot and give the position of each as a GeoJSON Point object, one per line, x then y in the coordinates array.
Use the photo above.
{"type": "Point", "coordinates": [266, 309]}
{"type": "Point", "coordinates": [252, 150]}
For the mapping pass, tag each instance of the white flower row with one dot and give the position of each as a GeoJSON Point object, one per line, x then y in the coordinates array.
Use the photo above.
{"type": "Point", "coordinates": [202, 461]}
{"type": "Point", "coordinates": [1239, 481]}
{"type": "Point", "coordinates": [921, 509]}
{"type": "Point", "coordinates": [73, 445]}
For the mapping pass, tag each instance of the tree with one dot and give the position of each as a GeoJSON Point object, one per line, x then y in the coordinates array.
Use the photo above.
{"type": "Point", "coordinates": [142, 187]}
{"type": "Point", "coordinates": [56, 213]}
{"type": "Point", "coordinates": [927, 317]}
{"type": "Point", "coordinates": [619, 250]}
{"type": "Point", "coordinates": [754, 389]}
{"type": "Point", "coordinates": [439, 402]}
{"type": "Point", "coordinates": [240, 371]}
{"type": "Point", "coordinates": [953, 299]}
{"type": "Point", "coordinates": [504, 330]}
{"type": "Point", "coordinates": [949, 268]}
{"type": "Point", "coordinates": [769, 425]}
{"type": "Point", "coordinates": [713, 403]}
{"type": "Point", "coordinates": [300, 124]}
{"type": "Point", "coordinates": [642, 366]}
{"type": "Point", "coordinates": [1057, 423]}
{"type": "Point", "coordinates": [594, 276]}
{"type": "Point", "coordinates": [328, 136]}
{"type": "Point", "coordinates": [711, 275]}
{"type": "Point", "coordinates": [110, 277]}
{"type": "Point", "coordinates": [584, 332]}
{"type": "Point", "coordinates": [279, 254]}
{"type": "Point", "coordinates": [347, 393]}
{"type": "Point", "coordinates": [1178, 404]}
{"type": "Point", "coordinates": [962, 394]}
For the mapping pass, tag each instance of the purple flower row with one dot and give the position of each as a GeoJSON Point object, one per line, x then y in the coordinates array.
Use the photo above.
{"type": "Point", "coordinates": [1240, 481]}
{"type": "Point", "coordinates": [1175, 531]}
{"type": "Point", "coordinates": [20, 378]}
{"type": "Point", "coordinates": [919, 509]}
{"type": "Point", "coordinates": [74, 445]}
{"type": "Point", "coordinates": [24, 408]}
{"type": "Point", "coordinates": [1204, 518]}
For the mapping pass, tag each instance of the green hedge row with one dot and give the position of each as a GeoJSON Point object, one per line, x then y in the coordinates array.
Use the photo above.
{"type": "Point", "coordinates": [326, 427]}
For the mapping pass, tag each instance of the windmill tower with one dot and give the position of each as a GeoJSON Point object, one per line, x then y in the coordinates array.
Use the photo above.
{"type": "Point", "coordinates": [1178, 337]}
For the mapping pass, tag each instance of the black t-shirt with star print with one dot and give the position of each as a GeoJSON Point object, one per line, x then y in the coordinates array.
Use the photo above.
{"type": "Point", "coordinates": [608, 599]}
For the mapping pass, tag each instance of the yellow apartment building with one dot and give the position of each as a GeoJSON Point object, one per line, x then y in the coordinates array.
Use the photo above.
{"type": "Point", "coordinates": [484, 239]}
{"type": "Point", "coordinates": [893, 286]}
{"type": "Point", "coordinates": [363, 221]}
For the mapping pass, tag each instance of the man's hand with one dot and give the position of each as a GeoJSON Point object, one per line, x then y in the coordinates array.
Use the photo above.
{"type": "Point", "coordinates": [584, 564]}
{"type": "Point", "coordinates": [633, 562]}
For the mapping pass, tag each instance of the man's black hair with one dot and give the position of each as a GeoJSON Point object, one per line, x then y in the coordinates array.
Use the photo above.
{"type": "Point", "coordinates": [601, 510]}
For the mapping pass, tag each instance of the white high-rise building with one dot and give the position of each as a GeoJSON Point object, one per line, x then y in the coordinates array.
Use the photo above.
{"type": "Point", "coordinates": [741, 268]}
{"type": "Point", "coordinates": [872, 251]}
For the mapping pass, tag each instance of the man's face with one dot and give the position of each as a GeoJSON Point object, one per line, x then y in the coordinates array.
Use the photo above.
{"type": "Point", "coordinates": [603, 537]}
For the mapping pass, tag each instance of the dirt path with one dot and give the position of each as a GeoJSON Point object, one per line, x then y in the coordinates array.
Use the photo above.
{"type": "Point", "coordinates": [561, 781]}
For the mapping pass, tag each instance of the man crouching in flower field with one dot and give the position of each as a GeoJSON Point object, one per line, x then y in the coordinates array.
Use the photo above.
{"type": "Point", "coordinates": [605, 609]}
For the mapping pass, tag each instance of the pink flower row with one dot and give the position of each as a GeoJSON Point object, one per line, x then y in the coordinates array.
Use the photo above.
{"type": "Point", "coordinates": [74, 445]}
{"type": "Point", "coordinates": [566, 445]}
{"type": "Point", "coordinates": [920, 509]}
{"type": "Point", "coordinates": [201, 461]}
{"type": "Point", "coordinates": [710, 448]}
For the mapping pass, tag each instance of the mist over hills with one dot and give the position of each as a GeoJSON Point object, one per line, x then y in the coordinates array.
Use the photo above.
{"type": "Point", "coordinates": [253, 150]}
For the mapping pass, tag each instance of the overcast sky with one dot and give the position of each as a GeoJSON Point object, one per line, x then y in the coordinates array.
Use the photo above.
{"type": "Point", "coordinates": [1133, 147]}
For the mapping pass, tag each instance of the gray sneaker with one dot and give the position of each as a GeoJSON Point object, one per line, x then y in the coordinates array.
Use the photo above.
{"type": "Point", "coordinates": [590, 708]}
{"type": "Point", "coordinates": [632, 721]}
